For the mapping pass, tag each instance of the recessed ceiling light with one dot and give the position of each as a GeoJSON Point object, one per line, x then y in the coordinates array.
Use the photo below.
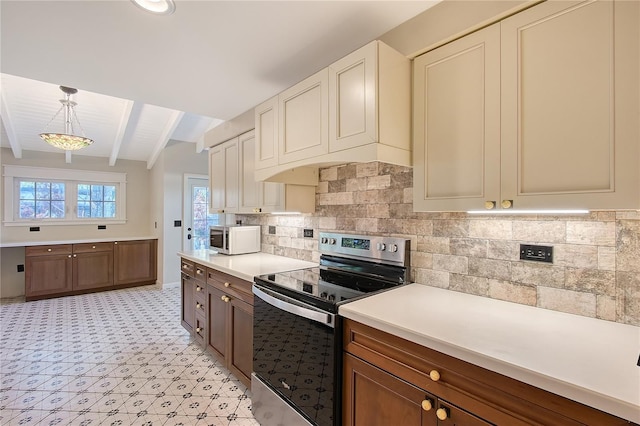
{"type": "Point", "coordinates": [159, 7]}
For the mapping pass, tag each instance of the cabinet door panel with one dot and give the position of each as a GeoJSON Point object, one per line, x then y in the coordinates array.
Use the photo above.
{"type": "Point", "coordinates": [373, 397]}
{"type": "Point", "coordinates": [457, 123]}
{"type": "Point", "coordinates": [217, 322]}
{"type": "Point", "coordinates": [241, 335]}
{"type": "Point", "coordinates": [216, 178]}
{"type": "Point", "coordinates": [46, 275]}
{"type": "Point", "coordinates": [352, 99]}
{"type": "Point", "coordinates": [231, 176]}
{"type": "Point", "coordinates": [250, 190]}
{"type": "Point", "coordinates": [303, 120]}
{"type": "Point", "coordinates": [266, 116]}
{"type": "Point", "coordinates": [92, 270]}
{"type": "Point", "coordinates": [188, 303]}
{"type": "Point", "coordinates": [565, 89]}
{"type": "Point", "coordinates": [135, 262]}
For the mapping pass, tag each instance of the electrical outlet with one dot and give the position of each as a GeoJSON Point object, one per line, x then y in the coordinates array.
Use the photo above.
{"type": "Point", "coordinates": [102, 226]}
{"type": "Point", "coordinates": [272, 230]}
{"type": "Point", "coordinates": [536, 253]}
{"type": "Point", "coordinates": [34, 229]}
{"type": "Point", "coordinates": [308, 233]}
{"type": "Point", "coordinates": [20, 268]}
{"type": "Point", "coordinates": [177, 223]}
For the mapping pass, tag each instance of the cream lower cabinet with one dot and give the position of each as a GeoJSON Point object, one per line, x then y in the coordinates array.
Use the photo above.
{"type": "Point", "coordinates": [537, 111]}
{"type": "Point", "coordinates": [224, 177]}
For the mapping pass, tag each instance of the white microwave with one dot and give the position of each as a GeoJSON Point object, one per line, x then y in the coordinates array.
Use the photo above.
{"type": "Point", "coordinates": [234, 239]}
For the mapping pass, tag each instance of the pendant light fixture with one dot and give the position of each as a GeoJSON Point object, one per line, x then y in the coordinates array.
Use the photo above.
{"type": "Point", "coordinates": [67, 141]}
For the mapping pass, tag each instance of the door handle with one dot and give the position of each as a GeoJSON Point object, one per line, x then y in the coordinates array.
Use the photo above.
{"type": "Point", "coordinates": [188, 236]}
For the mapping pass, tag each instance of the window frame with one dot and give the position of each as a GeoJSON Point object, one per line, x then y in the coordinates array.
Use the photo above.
{"type": "Point", "coordinates": [72, 178]}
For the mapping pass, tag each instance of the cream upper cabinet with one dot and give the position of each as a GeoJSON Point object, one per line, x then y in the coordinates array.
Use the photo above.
{"type": "Point", "coordinates": [303, 119]}
{"type": "Point", "coordinates": [224, 177]}
{"type": "Point", "coordinates": [456, 119]}
{"type": "Point", "coordinates": [250, 194]}
{"type": "Point", "coordinates": [266, 121]}
{"type": "Point", "coordinates": [564, 130]}
{"type": "Point", "coordinates": [369, 98]}
{"type": "Point", "coordinates": [570, 106]}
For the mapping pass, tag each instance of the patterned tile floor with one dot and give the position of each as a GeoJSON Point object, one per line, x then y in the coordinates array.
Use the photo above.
{"type": "Point", "coordinates": [111, 358]}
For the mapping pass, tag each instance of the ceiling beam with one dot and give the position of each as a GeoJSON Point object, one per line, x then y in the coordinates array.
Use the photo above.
{"type": "Point", "coordinates": [122, 127]}
{"type": "Point", "coordinates": [8, 127]}
{"type": "Point", "coordinates": [172, 123]}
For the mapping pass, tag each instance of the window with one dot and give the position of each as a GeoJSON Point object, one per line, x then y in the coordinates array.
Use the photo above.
{"type": "Point", "coordinates": [60, 196]}
{"type": "Point", "coordinates": [39, 200]}
{"type": "Point", "coordinates": [96, 200]}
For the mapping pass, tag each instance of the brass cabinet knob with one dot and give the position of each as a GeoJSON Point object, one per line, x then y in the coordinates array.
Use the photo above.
{"type": "Point", "coordinates": [199, 271]}
{"type": "Point", "coordinates": [434, 375]}
{"type": "Point", "coordinates": [227, 284]}
{"type": "Point", "coordinates": [93, 246]}
{"type": "Point", "coordinates": [442, 413]}
{"type": "Point", "coordinates": [199, 329]}
{"type": "Point", "coordinates": [225, 299]}
{"type": "Point", "coordinates": [257, 210]}
{"type": "Point", "coordinates": [198, 305]}
{"type": "Point", "coordinates": [75, 255]}
{"type": "Point", "coordinates": [507, 204]}
{"type": "Point", "coordinates": [69, 256]}
{"type": "Point", "coordinates": [185, 266]}
{"type": "Point", "coordinates": [489, 205]}
{"type": "Point", "coordinates": [221, 211]}
{"type": "Point", "coordinates": [198, 288]}
{"type": "Point", "coordinates": [116, 243]}
{"type": "Point", "coordinates": [48, 249]}
{"type": "Point", "coordinates": [427, 404]}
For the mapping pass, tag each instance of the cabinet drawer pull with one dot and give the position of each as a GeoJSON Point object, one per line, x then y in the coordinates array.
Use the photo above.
{"type": "Point", "coordinates": [227, 284]}
{"type": "Point", "coordinates": [434, 375]}
{"type": "Point", "coordinates": [93, 247]}
{"type": "Point", "coordinates": [198, 288]}
{"type": "Point", "coordinates": [49, 249]}
{"type": "Point", "coordinates": [69, 256]}
{"type": "Point", "coordinates": [225, 299]}
{"type": "Point", "coordinates": [185, 266]}
{"type": "Point", "coordinates": [198, 305]}
{"type": "Point", "coordinates": [75, 255]}
{"type": "Point", "coordinates": [199, 271]}
{"type": "Point", "coordinates": [507, 204]}
{"type": "Point", "coordinates": [442, 413]}
{"type": "Point", "coordinates": [199, 329]}
{"type": "Point", "coordinates": [427, 404]}
{"type": "Point", "coordinates": [489, 205]}
{"type": "Point", "coordinates": [116, 243]}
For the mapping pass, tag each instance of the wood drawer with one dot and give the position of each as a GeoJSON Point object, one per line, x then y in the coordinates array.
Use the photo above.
{"type": "Point", "coordinates": [48, 250]}
{"type": "Point", "coordinates": [200, 291]}
{"type": "Point", "coordinates": [200, 305]}
{"type": "Point", "coordinates": [199, 330]}
{"type": "Point", "coordinates": [200, 273]}
{"type": "Point", "coordinates": [492, 396]}
{"type": "Point", "coordinates": [188, 267]}
{"type": "Point", "coordinates": [231, 285]}
{"type": "Point", "coordinates": [92, 247]}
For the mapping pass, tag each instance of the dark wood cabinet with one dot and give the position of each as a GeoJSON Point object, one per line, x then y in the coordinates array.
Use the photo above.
{"type": "Point", "coordinates": [64, 269]}
{"type": "Point", "coordinates": [385, 378]}
{"type": "Point", "coordinates": [135, 262]}
{"type": "Point", "coordinates": [48, 270]}
{"type": "Point", "coordinates": [187, 284]}
{"type": "Point", "coordinates": [230, 322]}
{"type": "Point", "coordinates": [92, 266]}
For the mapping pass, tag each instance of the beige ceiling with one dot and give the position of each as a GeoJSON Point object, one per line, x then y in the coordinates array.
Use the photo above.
{"type": "Point", "coordinates": [145, 80]}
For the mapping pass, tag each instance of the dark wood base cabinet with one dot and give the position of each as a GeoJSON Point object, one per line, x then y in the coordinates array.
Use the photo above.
{"type": "Point", "coordinates": [66, 269]}
{"type": "Point", "coordinates": [391, 381]}
{"type": "Point", "coordinates": [217, 309]}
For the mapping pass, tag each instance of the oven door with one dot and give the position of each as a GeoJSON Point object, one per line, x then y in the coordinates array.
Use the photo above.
{"type": "Point", "coordinates": [294, 364]}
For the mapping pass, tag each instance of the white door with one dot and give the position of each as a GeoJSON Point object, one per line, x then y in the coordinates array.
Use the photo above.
{"type": "Point", "coordinates": [197, 219]}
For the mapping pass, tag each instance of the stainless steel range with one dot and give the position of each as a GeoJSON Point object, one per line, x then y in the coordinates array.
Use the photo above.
{"type": "Point", "coordinates": [297, 334]}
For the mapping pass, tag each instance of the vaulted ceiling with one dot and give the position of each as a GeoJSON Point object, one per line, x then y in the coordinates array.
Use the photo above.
{"type": "Point", "coordinates": [145, 80]}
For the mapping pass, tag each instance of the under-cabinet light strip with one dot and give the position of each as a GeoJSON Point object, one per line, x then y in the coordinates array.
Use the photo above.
{"type": "Point", "coordinates": [515, 211]}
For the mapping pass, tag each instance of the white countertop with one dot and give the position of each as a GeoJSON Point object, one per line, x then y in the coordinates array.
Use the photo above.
{"type": "Point", "coordinates": [246, 266]}
{"type": "Point", "coordinates": [89, 240]}
{"type": "Point", "coordinates": [585, 359]}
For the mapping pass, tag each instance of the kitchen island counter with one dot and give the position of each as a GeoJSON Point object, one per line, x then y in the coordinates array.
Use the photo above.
{"type": "Point", "coordinates": [246, 266]}
{"type": "Point", "coordinates": [585, 359]}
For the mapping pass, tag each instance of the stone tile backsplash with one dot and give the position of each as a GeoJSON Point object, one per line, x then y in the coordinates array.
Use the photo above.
{"type": "Point", "coordinates": [596, 269]}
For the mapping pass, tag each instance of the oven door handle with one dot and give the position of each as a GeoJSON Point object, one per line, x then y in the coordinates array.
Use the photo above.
{"type": "Point", "coordinates": [289, 304]}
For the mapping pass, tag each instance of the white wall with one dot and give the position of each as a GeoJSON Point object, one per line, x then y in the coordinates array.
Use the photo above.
{"type": "Point", "coordinates": [168, 181]}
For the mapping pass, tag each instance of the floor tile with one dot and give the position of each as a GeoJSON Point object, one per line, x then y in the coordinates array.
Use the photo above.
{"type": "Point", "coordinates": [112, 358]}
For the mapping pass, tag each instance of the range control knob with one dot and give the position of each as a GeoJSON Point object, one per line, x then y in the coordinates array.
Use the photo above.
{"type": "Point", "coordinates": [393, 248]}
{"type": "Point", "coordinates": [382, 246]}
{"type": "Point", "coordinates": [324, 240]}
{"type": "Point", "coordinates": [323, 295]}
{"type": "Point", "coordinates": [332, 240]}
{"type": "Point", "coordinates": [331, 297]}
